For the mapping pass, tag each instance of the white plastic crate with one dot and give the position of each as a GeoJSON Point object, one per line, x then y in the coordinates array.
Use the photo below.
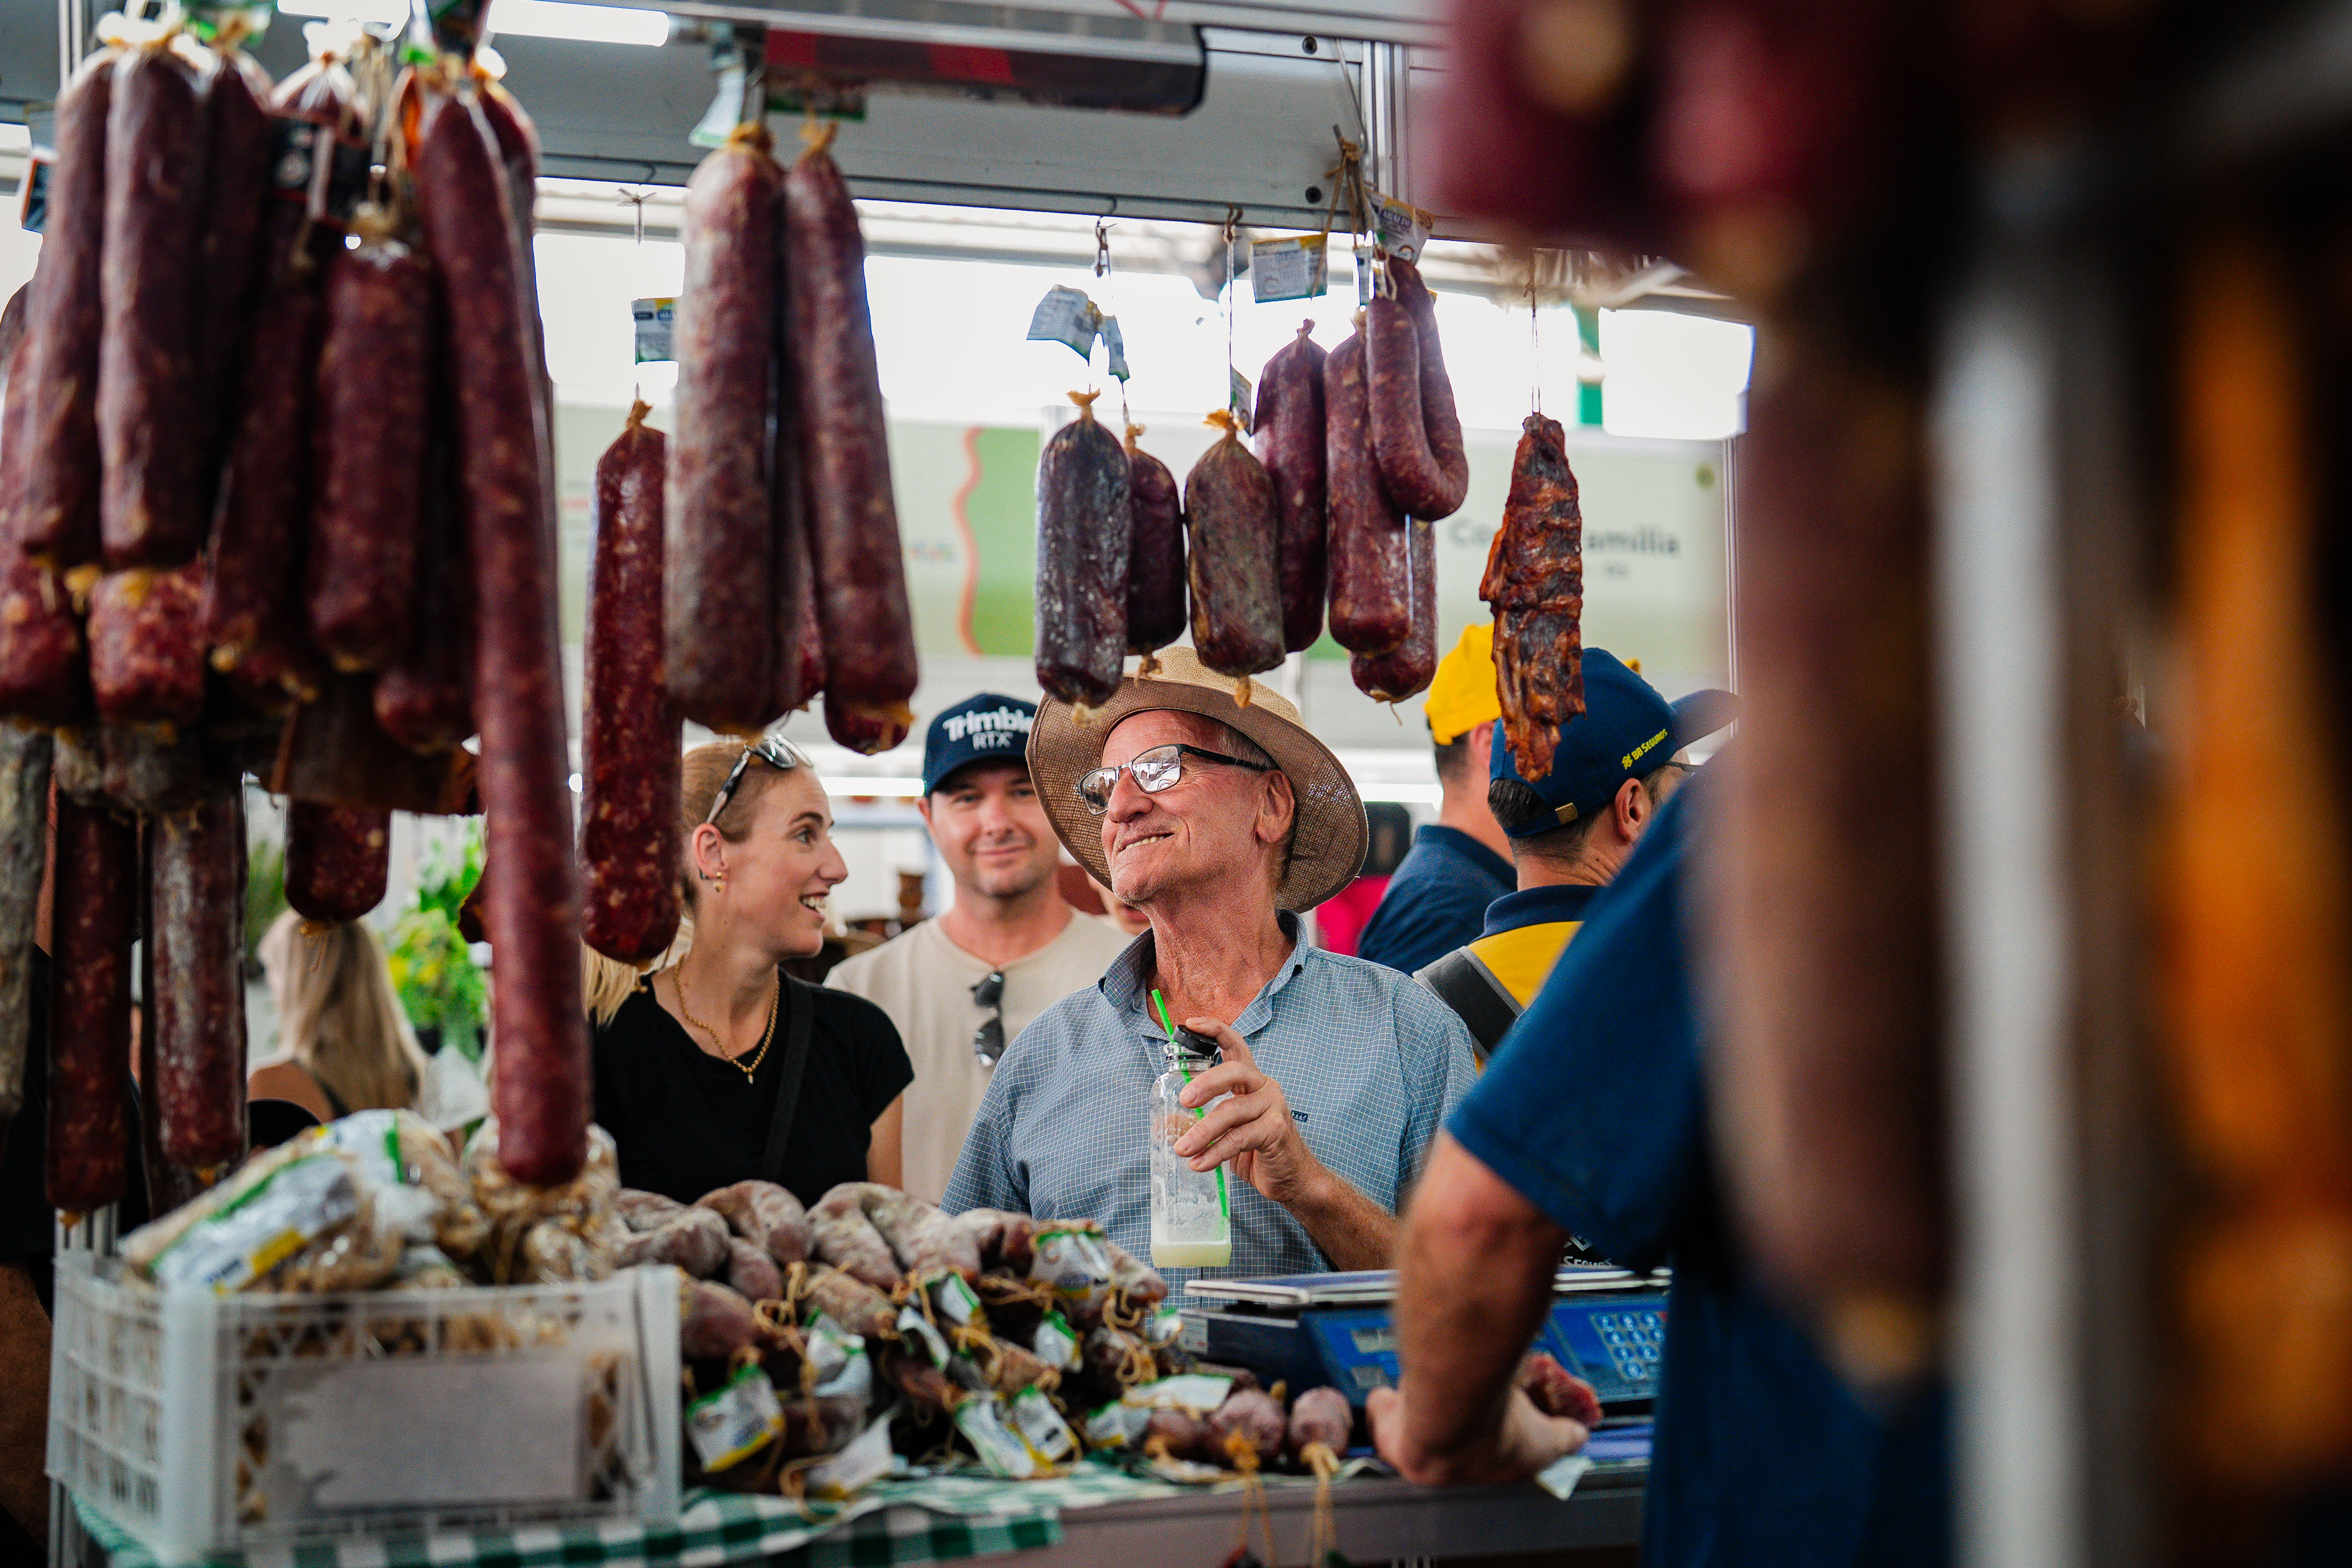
{"type": "Point", "coordinates": [204, 1423]}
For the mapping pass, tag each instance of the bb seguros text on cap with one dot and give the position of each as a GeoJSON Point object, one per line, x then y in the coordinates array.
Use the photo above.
{"type": "Point", "coordinates": [987, 728]}
{"type": "Point", "coordinates": [1627, 730]}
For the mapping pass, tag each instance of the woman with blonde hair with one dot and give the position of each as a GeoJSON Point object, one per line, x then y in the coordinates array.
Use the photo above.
{"type": "Point", "coordinates": [721, 1067]}
{"type": "Point", "coordinates": [342, 1042]}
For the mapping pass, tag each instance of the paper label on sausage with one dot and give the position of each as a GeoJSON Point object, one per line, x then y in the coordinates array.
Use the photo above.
{"type": "Point", "coordinates": [1294, 268]}
{"type": "Point", "coordinates": [867, 1460]}
{"type": "Point", "coordinates": [954, 1301]}
{"type": "Point", "coordinates": [1001, 1449]}
{"type": "Point", "coordinates": [1241, 403]}
{"type": "Point", "coordinates": [1198, 1392]}
{"type": "Point", "coordinates": [1403, 227]}
{"type": "Point", "coordinates": [840, 1361]}
{"type": "Point", "coordinates": [1067, 317]}
{"type": "Point", "coordinates": [1165, 1327]}
{"type": "Point", "coordinates": [726, 110]}
{"type": "Point", "coordinates": [917, 1330]}
{"type": "Point", "coordinates": [1056, 1342]}
{"type": "Point", "coordinates": [1117, 1424]}
{"type": "Point", "coordinates": [1042, 1427]}
{"type": "Point", "coordinates": [1115, 347]}
{"type": "Point", "coordinates": [735, 1420]}
{"type": "Point", "coordinates": [253, 1233]}
{"type": "Point", "coordinates": [655, 321]}
{"type": "Point", "coordinates": [1072, 1264]}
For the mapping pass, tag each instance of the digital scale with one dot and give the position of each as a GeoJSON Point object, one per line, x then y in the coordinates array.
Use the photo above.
{"type": "Point", "coordinates": [1608, 1326]}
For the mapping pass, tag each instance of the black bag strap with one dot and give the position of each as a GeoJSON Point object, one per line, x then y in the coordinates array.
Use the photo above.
{"type": "Point", "coordinates": [1468, 987]}
{"type": "Point", "coordinates": [799, 1010]}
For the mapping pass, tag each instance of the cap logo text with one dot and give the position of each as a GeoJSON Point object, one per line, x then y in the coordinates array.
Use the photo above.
{"type": "Point", "coordinates": [1641, 751]}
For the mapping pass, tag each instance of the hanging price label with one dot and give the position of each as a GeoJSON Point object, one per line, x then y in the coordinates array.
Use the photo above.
{"type": "Point", "coordinates": [657, 321]}
{"type": "Point", "coordinates": [1404, 228]}
{"type": "Point", "coordinates": [1296, 268]}
{"type": "Point", "coordinates": [1115, 347]}
{"type": "Point", "coordinates": [1241, 402]}
{"type": "Point", "coordinates": [1067, 316]}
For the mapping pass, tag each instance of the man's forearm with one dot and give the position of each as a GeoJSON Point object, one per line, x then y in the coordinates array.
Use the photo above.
{"type": "Point", "coordinates": [1475, 1283]}
{"type": "Point", "coordinates": [1352, 1231]}
{"type": "Point", "coordinates": [24, 1402]}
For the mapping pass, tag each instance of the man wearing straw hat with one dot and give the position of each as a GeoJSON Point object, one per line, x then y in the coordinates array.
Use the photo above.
{"type": "Point", "coordinates": [1222, 821]}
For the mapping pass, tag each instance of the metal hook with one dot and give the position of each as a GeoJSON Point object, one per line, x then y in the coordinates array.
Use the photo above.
{"type": "Point", "coordinates": [1102, 246]}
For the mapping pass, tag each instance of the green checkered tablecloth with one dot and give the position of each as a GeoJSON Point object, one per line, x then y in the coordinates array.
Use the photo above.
{"type": "Point", "coordinates": [919, 1519]}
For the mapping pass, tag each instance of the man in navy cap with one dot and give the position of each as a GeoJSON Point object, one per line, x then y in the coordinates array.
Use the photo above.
{"type": "Point", "coordinates": [960, 986]}
{"type": "Point", "coordinates": [1570, 832]}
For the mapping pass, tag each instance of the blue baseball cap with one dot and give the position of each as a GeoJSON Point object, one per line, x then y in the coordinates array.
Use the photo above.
{"type": "Point", "coordinates": [1627, 730]}
{"type": "Point", "coordinates": [982, 729]}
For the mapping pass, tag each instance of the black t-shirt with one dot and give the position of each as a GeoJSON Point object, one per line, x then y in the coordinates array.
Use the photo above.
{"type": "Point", "coordinates": [687, 1123]}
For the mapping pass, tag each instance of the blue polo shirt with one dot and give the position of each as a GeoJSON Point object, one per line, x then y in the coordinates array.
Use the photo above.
{"type": "Point", "coordinates": [1597, 1114]}
{"type": "Point", "coordinates": [1437, 899]}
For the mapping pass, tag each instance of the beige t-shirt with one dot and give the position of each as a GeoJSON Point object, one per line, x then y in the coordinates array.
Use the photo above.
{"type": "Point", "coordinates": [924, 982]}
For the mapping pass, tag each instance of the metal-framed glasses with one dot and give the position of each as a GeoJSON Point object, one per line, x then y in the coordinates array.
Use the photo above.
{"type": "Point", "coordinates": [988, 1040]}
{"type": "Point", "coordinates": [774, 750]}
{"type": "Point", "coordinates": [1153, 770]}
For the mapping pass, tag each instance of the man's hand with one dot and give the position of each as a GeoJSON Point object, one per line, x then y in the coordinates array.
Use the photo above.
{"type": "Point", "coordinates": [1253, 1129]}
{"type": "Point", "coordinates": [1526, 1443]}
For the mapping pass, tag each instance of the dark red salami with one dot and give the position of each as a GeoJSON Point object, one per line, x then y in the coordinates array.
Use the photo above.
{"type": "Point", "coordinates": [230, 265]}
{"type": "Point", "coordinates": [24, 851]}
{"type": "Point", "coordinates": [629, 736]}
{"type": "Point", "coordinates": [375, 382]}
{"type": "Point", "coordinates": [1290, 443]}
{"type": "Point", "coordinates": [1084, 529]}
{"type": "Point", "coordinates": [93, 923]}
{"type": "Point", "coordinates": [1370, 559]}
{"type": "Point", "coordinates": [1406, 669]}
{"type": "Point", "coordinates": [861, 578]}
{"type": "Point", "coordinates": [1229, 512]}
{"type": "Point", "coordinates": [196, 937]}
{"type": "Point", "coordinates": [719, 584]}
{"type": "Point", "coordinates": [147, 646]}
{"type": "Point", "coordinates": [60, 523]}
{"type": "Point", "coordinates": [424, 699]}
{"type": "Point", "coordinates": [44, 670]}
{"type": "Point", "coordinates": [1159, 607]}
{"type": "Point", "coordinates": [337, 859]}
{"type": "Point", "coordinates": [799, 670]}
{"type": "Point", "coordinates": [532, 909]}
{"type": "Point", "coordinates": [1416, 434]}
{"type": "Point", "coordinates": [151, 425]}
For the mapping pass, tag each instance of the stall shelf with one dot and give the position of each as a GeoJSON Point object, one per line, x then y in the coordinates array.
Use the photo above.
{"type": "Point", "coordinates": [1095, 1515]}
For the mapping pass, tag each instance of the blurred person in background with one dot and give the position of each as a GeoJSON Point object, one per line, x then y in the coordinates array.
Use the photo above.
{"type": "Point", "coordinates": [962, 985]}
{"type": "Point", "coordinates": [344, 1044]}
{"type": "Point", "coordinates": [1459, 863]}
{"type": "Point", "coordinates": [1570, 832]}
{"type": "Point", "coordinates": [721, 1067]}
{"type": "Point", "coordinates": [1340, 920]}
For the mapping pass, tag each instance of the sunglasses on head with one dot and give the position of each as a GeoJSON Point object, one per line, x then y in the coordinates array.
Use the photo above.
{"type": "Point", "coordinates": [774, 750]}
{"type": "Point", "coordinates": [1154, 769]}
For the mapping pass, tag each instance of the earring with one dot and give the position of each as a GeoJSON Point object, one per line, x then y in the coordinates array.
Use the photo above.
{"type": "Point", "coordinates": [722, 881]}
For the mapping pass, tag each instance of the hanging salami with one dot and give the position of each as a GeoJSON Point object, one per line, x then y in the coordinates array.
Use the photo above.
{"type": "Point", "coordinates": [1085, 526]}
{"type": "Point", "coordinates": [1157, 600]}
{"type": "Point", "coordinates": [1291, 443]}
{"type": "Point", "coordinates": [1535, 585]}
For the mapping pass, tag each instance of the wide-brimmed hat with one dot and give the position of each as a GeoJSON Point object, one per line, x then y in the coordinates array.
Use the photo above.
{"type": "Point", "coordinates": [1325, 850]}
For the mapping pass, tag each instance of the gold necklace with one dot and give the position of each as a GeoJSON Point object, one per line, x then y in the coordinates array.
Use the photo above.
{"type": "Point", "coordinates": [758, 1054]}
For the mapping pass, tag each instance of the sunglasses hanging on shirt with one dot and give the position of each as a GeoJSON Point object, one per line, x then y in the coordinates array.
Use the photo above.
{"type": "Point", "coordinates": [988, 1040]}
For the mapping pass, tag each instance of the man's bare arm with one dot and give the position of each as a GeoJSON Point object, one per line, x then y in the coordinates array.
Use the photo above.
{"type": "Point", "coordinates": [1475, 1283]}
{"type": "Point", "coordinates": [24, 1402]}
{"type": "Point", "coordinates": [1352, 1231]}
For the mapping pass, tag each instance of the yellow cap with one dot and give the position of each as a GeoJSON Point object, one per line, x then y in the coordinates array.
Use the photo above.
{"type": "Point", "coordinates": [1462, 696]}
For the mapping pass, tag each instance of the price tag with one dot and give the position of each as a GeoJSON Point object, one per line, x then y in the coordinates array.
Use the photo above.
{"type": "Point", "coordinates": [1295, 268]}
{"type": "Point", "coordinates": [1241, 404]}
{"type": "Point", "coordinates": [1403, 227]}
{"type": "Point", "coordinates": [726, 110]}
{"type": "Point", "coordinates": [735, 1420]}
{"type": "Point", "coordinates": [657, 321]}
{"type": "Point", "coordinates": [1115, 346]}
{"type": "Point", "coordinates": [1067, 317]}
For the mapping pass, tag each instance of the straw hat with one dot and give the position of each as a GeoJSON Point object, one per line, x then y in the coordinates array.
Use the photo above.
{"type": "Point", "coordinates": [1327, 847]}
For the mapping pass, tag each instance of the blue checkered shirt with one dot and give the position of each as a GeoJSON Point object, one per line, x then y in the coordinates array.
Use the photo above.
{"type": "Point", "coordinates": [1369, 1061]}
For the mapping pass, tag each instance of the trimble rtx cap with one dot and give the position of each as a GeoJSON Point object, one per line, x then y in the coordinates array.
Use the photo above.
{"type": "Point", "coordinates": [1627, 730]}
{"type": "Point", "coordinates": [982, 729]}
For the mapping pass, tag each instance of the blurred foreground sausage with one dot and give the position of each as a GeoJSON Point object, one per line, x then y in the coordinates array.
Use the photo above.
{"type": "Point", "coordinates": [532, 907]}
{"type": "Point", "coordinates": [719, 558]}
{"type": "Point", "coordinates": [629, 732]}
{"type": "Point", "coordinates": [338, 858]}
{"type": "Point", "coordinates": [147, 645]}
{"type": "Point", "coordinates": [861, 579]}
{"type": "Point", "coordinates": [1084, 529]}
{"type": "Point", "coordinates": [94, 920]}
{"type": "Point", "coordinates": [196, 906]}
{"type": "Point", "coordinates": [23, 850]}
{"type": "Point", "coordinates": [59, 525]}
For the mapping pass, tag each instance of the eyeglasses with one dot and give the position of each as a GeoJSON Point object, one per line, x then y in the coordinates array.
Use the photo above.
{"type": "Point", "coordinates": [774, 750]}
{"type": "Point", "coordinates": [1154, 770]}
{"type": "Point", "coordinates": [988, 1040]}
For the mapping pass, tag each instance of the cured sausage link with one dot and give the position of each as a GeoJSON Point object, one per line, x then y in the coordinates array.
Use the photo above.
{"type": "Point", "coordinates": [629, 734]}
{"type": "Point", "coordinates": [1290, 442]}
{"type": "Point", "coordinates": [59, 525]}
{"type": "Point", "coordinates": [1535, 584]}
{"type": "Point", "coordinates": [1406, 669]}
{"type": "Point", "coordinates": [1370, 565]}
{"type": "Point", "coordinates": [338, 859]}
{"type": "Point", "coordinates": [424, 699]}
{"type": "Point", "coordinates": [231, 264]}
{"type": "Point", "coordinates": [1416, 434]}
{"type": "Point", "coordinates": [1157, 605]}
{"type": "Point", "coordinates": [24, 845]}
{"type": "Point", "coordinates": [799, 670]}
{"type": "Point", "coordinates": [44, 670]}
{"type": "Point", "coordinates": [1229, 510]}
{"type": "Point", "coordinates": [1084, 529]}
{"type": "Point", "coordinates": [150, 424]}
{"type": "Point", "coordinates": [197, 910]}
{"type": "Point", "coordinates": [532, 907]}
{"type": "Point", "coordinates": [374, 385]}
{"type": "Point", "coordinates": [147, 646]}
{"type": "Point", "coordinates": [869, 631]}
{"type": "Point", "coordinates": [95, 913]}
{"type": "Point", "coordinates": [719, 581]}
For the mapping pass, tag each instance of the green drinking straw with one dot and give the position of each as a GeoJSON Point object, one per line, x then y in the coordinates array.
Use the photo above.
{"type": "Point", "coordinates": [1225, 1205]}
